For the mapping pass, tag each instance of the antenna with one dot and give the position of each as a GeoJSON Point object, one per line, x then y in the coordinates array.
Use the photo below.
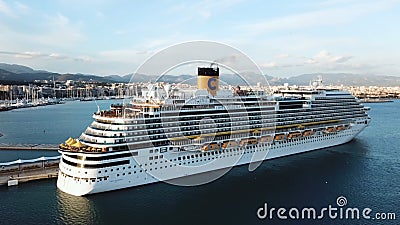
{"type": "Point", "coordinates": [98, 107]}
{"type": "Point", "coordinates": [54, 87]}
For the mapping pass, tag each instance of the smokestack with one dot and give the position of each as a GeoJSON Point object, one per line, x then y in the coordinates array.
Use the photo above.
{"type": "Point", "coordinates": [208, 79]}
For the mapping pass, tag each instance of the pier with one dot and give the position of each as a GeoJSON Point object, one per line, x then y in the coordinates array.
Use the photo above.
{"type": "Point", "coordinates": [13, 173]}
{"type": "Point", "coordinates": [53, 147]}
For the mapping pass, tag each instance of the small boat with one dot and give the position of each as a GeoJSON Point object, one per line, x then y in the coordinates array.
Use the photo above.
{"type": "Point", "coordinates": [294, 135]}
{"type": "Point", "coordinates": [248, 141]}
{"type": "Point", "coordinates": [266, 139]}
{"type": "Point", "coordinates": [229, 144]}
{"type": "Point", "coordinates": [211, 146]}
{"type": "Point", "coordinates": [340, 128]}
{"type": "Point", "coordinates": [308, 133]}
{"type": "Point", "coordinates": [330, 130]}
{"type": "Point", "coordinates": [279, 137]}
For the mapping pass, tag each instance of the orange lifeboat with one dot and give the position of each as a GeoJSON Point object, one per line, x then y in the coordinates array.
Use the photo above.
{"type": "Point", "coordinates": [340, 128]}
{"type": "Point", "coordinates": [308, 133]}
{"type": "Point", "coordinates": [294, 135]}
{"type": "Point", "coordinates": [211, 146]}
{"type": "Point", "coordinates": [229, 144]}
{"type": "Point", "coordinates": [248, 141]}
{"type": "Point", "coordinates": [279, 137]}
{"type": "Point", "coordinates": [330, 129]}
{"type": "Point", "coordinates": [266, 139]}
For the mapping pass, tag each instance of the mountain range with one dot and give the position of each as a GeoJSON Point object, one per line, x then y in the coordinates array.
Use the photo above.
{"type": "Point", "coordinates": [13, 73]}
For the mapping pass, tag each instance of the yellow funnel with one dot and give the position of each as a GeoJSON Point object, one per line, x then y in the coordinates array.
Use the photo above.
{"type": "Point", "coordinates": [208, 79]}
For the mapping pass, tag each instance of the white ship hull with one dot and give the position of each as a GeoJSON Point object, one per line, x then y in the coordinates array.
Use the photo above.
{"type": "Point", "coordinates": [167, 169]}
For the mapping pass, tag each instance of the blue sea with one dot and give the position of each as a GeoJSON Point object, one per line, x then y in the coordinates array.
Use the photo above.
{"type": "Point", "coordinates": [365, 171]}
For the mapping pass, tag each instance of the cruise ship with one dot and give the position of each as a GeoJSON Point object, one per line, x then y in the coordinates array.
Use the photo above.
{"type": "Point", "coordinates": [167, 134]}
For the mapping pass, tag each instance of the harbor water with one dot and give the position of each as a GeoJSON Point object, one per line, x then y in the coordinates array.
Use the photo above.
{"type": "Point", "coordinates": [366, 171]}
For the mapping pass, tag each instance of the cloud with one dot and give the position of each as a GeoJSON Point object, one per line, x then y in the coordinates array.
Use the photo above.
{"type": "Point", "coordinates": [57, 56]}
{"type": "Point", "coordinates": [83, 59]}
{"type": "Point", "coordinates": [156, 43]}
{"type": "Point", "coordinates": [269, 65]}
{"type": "Point", "coordinates": [58, 30]}
{"type": "Point", "coordinates": [321, 17]}
{"type": "Point", "coordinates": [124, 55]}
{"type": "Point", "coordinates": [323, 61]}
{"type": "Point", "coordinates": [282, 56]}
{"type": "Point", "coordinates": [46, 56]}
{"type": "Point", "coordinates": [100, 14]}
{"type": "Point", "coordinates": [324, 57]}
{"type": "Point", "coordinates": [342, 59]}
{"type": "Point", "coordinates": [21, 7]}
{"type": "Point", "coordinates": [4, 8]}
{"type": "Point", "coordinates": [28, 55]}
{"type": "Point", "coordinates": [120, 32]}
{"type": "Point", "coordinates": [13, 10]}
{"type": "Point", "coordinates": [204, 9]}
{"type": "Point", "coordinates": [280, 65]}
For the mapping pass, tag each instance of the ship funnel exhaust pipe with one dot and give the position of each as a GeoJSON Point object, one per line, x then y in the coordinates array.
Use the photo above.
{"type": "Point", "coordinates": [208, 79]}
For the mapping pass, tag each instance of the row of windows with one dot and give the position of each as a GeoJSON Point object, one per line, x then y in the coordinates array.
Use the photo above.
{"type": "Point", "coordinates": [153, 128]}
{"type": "Point", "coordinates": [191, 157]}
{"type": "Point", "coordinates": [317, 109]}
{"type": "Point", "coordinates": [156, 157]}
{"type": "Point", "coordinates": [318, 104]}
{"type": "Point", "coordinates": [95, 166]}
{"type": "Point", "coordinates": [320, 117]}
{"type": "Point", "coordinates": [316, 112]}
{"type": "Point", "coordinates": [92, 179]}
{"type": "Point", "coordinates": [212, 153]}
{"type": "Point", "coordinates": [100, 158]}
{"type": "Point", "coordinates": [350, 116]}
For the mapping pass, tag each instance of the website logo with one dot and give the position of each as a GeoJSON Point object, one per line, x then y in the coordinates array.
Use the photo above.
{"type": "Point", "coordinates": [340, 211]}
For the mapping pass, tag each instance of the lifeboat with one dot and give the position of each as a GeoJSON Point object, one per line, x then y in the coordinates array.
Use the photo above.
{"type": "Point", "coordinates": [308, 133]}
{"type": "Point", "coordinates": [266, 139]}
{"type": "Point", "coordinates": [294, 135]}
{"type": "Point", "coordinates": [229, 144]}
{"type": "Point", "coordinates": [248, 141]}
{"type": "Point", "coordinates": [279, 137]}
{"type": "Point", "coordinates": [330, 129]}
{"type": "Point", "coordinates": [340, 128]}
{"type": "Point", "coordinates": [210, 147]}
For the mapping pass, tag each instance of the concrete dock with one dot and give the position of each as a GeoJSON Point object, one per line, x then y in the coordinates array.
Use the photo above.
{"type": "Point", "coordinates": [52, 147]}
{"type": "Point", "coordinates": [14, 172]}
{"type": "Point", "coordinates": [29, 175]}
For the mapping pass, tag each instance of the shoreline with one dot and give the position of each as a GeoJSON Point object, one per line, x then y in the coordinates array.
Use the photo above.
{"type": "Point", "coordinates": [375, 100]}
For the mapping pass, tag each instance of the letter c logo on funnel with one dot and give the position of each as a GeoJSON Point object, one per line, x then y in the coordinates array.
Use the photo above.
{"type": "Point", "coordinates": [211, 83]}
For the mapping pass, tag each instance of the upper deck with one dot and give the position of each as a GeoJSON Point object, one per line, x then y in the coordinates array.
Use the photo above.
{"type": "Point", "coordinates": [162, 115]}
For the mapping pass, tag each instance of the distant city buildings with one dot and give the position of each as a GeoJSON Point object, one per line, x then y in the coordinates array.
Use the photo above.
{"type": "Point", "coordinates": [69, 89]}
{"type": "Point", "coordinates": [83, 90]}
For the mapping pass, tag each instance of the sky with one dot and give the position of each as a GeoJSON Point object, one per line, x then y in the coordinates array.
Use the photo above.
{"type": "Point", "coordinates": [284, 38]}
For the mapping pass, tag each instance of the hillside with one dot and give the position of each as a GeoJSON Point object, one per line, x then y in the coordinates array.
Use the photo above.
{"type": "Point", "coordinates": [19, 73]}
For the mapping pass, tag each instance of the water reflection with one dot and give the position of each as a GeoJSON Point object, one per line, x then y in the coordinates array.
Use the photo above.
{"type": "Point", "coordinates": [75, 210]}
